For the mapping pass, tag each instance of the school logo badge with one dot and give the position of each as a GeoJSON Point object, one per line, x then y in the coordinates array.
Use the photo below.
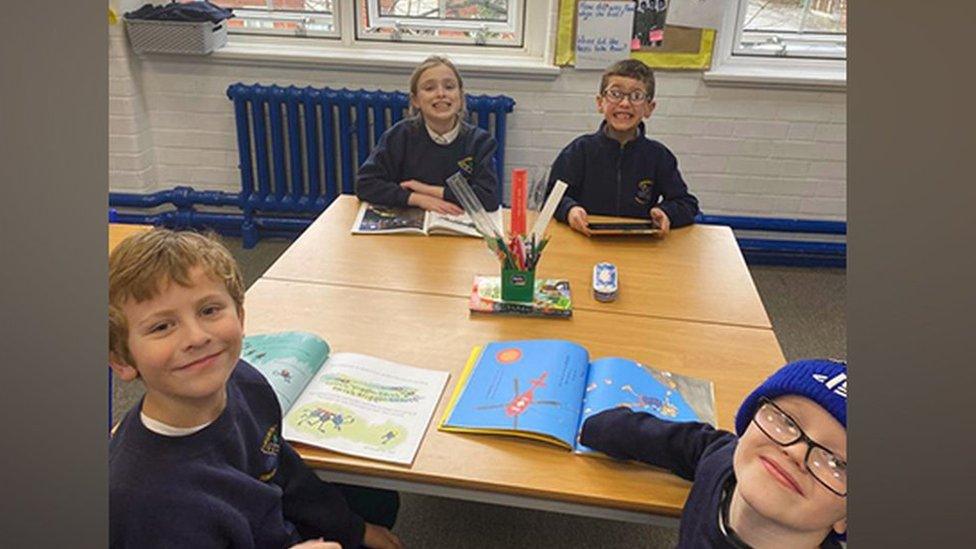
{"type": "Point", "coordinates": [270, 447]}
{"type": "Point", "coordinates": [271, 444]}
{"type": "Point", "coordinates": [645, 189]}
{"type": "Point", "coordinates": [466, 164]}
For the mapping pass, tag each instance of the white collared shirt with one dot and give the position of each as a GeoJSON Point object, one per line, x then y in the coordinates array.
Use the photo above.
{"type": "Point", "coordinates": [445, 138]}
{"type": "Point", "coordinates": [161, 428]}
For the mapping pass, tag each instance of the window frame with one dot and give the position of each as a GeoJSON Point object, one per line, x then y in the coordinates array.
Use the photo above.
{"type": "Point", "coordinates": [514, 25]}
{"type": "Point", "coordinates": [798, 39]}
{"type": "Point", "coordinates": [533, 60]}
{"type": "Point", "coordinates": [736, 69]}
{"type": "Point", "coordinates": [335, 17]}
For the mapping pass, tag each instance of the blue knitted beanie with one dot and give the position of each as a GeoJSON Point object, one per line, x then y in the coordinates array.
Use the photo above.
{"type": "Point", "coordinates": [821, 380]}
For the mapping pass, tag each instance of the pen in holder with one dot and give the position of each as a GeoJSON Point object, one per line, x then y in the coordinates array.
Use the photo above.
{"type": "Point", "coordinates": [518, 280]}
{"type": "Point", "coordinates": [519, 251]}
{"type": "Point", "coordinates": [519, 260]}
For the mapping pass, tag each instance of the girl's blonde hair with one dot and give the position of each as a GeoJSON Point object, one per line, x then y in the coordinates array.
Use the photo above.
{"type": "Point", "coordinates": [431, 62]}
{"type": "Point", "coordinates": [143, 263]}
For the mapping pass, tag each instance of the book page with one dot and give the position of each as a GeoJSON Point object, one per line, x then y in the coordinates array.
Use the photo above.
{"type": "Point", "coordinates": [522, 387]}
{"type": "Point", "coordinates": [459, 225]}
{"type": "Point", "coordinates": [617, 382]}
{"type": "Point", "coordinates": [366, 407]}
{"type": "Point", "coordinates": [374, 219]}
{"type": "Point", "coordinates": [288, 360]}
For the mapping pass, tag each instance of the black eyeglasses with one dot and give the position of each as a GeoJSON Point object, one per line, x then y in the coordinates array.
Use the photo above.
{"type": "Point", "coordinates": [616, 96]}
{"type": "Point", "coordinates": [823, 464]}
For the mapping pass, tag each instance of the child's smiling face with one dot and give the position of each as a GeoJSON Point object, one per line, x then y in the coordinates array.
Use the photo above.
{"type": "Point", "coordinates": [624, 115]}
{"type": "Point", "coordinates": [438, 96]}
{"type": "Point", "coordinates": [774, 480]}
{"type": "Point", "coordinates": [184, 343]}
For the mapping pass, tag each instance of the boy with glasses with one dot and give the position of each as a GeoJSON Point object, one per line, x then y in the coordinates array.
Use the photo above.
{"type": "Point", "coordinates": [782, 482]}
{"type": "Point", "coordinates": [617, 170]}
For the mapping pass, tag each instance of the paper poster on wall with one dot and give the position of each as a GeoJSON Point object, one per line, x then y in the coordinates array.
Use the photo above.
{"type": "Point", "coordinates": [702, 14]}
{"type": "Point", "coordinates": [603, 33]}
{"type": "Point", "coordinates": [649, 20]}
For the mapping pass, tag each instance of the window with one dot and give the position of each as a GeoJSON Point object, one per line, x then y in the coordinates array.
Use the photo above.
{"type": "Point", "coordinates": [471, 22]}
{"type": "Point", "coordinates": [792, 28]}
{"type": "Point", "coordinates": [782, 43]}
{"type": "Point", "coordinates": [283, 17]}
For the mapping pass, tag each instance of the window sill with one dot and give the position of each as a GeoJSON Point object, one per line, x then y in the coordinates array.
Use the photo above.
{"type": "Point", "coordinates": [297, 52]}
{"type": "Point", "coordinates": [802, 74]}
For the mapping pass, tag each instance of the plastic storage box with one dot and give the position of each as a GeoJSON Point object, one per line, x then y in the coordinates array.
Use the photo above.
{"type": "Point", "coordinates": [191, 38]}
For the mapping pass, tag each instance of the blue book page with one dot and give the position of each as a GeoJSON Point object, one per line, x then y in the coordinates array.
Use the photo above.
{"type": "Point", "coordinates": [532, 386]}
{"type": "Point", "coordinates": [288, 360]}
{"type": "Point", "coordinates": [617, 382]}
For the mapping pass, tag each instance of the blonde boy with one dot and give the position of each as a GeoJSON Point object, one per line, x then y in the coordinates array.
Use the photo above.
{"type": "Point", "coordinates": [200, 462]}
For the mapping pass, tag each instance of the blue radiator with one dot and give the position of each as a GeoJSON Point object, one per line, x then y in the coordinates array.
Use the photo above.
{"type": "Point", "coordinates": [298, 149]}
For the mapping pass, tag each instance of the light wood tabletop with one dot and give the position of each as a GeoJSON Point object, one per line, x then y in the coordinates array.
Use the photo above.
{"type": "Point", "coordinates": [696, 273]}
{"type": "Point", "coordinates": [117, 232]}
{"type": "Point", "coordinates": [436, 332]}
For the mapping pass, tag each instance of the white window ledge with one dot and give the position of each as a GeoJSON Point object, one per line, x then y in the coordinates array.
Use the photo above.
{"type": "Point", "coordinates": [780, 73]}
{"type": "Point", "coordinates": [380, 57]}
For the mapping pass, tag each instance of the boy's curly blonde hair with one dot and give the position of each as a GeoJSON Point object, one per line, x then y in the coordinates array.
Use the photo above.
{"type": "Point", "coordinates": [143, 263]}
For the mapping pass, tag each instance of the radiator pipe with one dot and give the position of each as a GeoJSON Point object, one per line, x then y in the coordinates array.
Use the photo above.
{"type": "Point", "coordinates": [181, 197]}
{"type": "Point", "coordinates": [775, 224]}
{"type": "Point", "coordinates": [224, 223]}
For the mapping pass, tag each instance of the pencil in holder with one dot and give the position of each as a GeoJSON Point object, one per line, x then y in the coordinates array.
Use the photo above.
{"type": "Point", "coordinates": [518, 285]}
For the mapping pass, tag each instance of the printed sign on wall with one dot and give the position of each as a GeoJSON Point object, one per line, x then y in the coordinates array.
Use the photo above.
{"type": "Point", "coordinates": [603, 33]}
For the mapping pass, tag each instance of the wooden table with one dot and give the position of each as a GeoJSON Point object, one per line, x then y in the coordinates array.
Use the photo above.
{"type": "Point", "coordinates": [435, 331]}
{"type": "Point", "coordinates": [117, 232]}
{"type": "Point", "coordinates": [696, 273]}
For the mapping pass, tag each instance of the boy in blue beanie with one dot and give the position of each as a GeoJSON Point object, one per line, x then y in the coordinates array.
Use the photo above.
{"type": "Point", "coordinates": [782, 482]}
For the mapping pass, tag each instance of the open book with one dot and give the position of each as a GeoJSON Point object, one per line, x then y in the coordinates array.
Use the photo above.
{"type": "Point", "coordinates": [545, 389]}
{"type": "Point", "coordinates": [374, 219]}
{"type": "Point", "coordinates": [347, 402]}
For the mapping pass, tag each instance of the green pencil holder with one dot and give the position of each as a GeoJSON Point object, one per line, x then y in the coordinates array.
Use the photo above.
{"type": "Point", "coordinates": [518, 285]}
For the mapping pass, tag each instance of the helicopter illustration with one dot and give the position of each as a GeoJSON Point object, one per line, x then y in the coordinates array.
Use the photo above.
{"type": "Point", "coordinates": [522, 400]}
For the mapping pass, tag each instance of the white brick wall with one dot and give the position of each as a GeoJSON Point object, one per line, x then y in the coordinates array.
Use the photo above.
{"type": "Point", "coordinates": [742, 151]}
{"type": "Point", "coordinates": [131, 153]}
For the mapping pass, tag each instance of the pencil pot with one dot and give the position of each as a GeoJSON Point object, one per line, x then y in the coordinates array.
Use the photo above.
{"type": "Point", "coordinates": [518, 285]}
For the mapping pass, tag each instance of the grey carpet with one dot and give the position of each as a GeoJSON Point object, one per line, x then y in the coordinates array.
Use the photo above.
{"type": "Point", "coordinates": [807, 310]}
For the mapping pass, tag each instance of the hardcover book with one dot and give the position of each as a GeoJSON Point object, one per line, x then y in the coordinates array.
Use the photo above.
{"type": "Point", "coordinates": [546, 389]}
{"type": "Point", "coordinates": [552, 298]}
{"type": "Point", "coordinates": [374, 219]}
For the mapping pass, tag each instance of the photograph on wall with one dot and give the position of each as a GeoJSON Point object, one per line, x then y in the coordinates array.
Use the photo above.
{"type": "Point", "coordinates": [649, 18]}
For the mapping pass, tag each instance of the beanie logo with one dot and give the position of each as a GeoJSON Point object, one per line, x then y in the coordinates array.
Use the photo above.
{"type": "Point", "coordinates": [836, 384]}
